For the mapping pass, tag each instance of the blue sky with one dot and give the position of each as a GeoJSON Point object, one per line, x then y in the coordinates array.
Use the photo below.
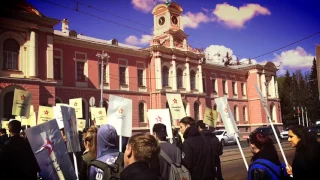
{"type": "Point", "coordinates": [245, 28]}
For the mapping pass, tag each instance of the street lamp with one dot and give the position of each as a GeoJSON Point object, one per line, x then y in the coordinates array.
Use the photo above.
{"type": "Point", "coordinates": [102, 56]}
{"type": "Point", "coordinates": [266, 84]}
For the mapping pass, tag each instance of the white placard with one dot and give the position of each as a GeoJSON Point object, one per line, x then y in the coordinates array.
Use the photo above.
{"type": "Point", "coordinates": [176, 106]}
{"type": "Point", "coordinates": [160, 116]}
{"type": "Point", "coordinates": [119, 115]}
{"type": "Point", "coordinates": [226, 115]}
{"type": "Point", "coordinates": [58, 116]}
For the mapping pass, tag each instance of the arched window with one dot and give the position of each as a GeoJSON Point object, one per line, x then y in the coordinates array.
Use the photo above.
{"type": "Point", "coordinates": [7, 109]}
{"type": "Point", "coordinates": [165, 76]}
{"type": "Point", "coordinates": [142, 112]}
{"type": "Point", "coordinates": [106, 105]}
{"type": "Point", "coordinates": [179, 78]}
{"type": "Point", "coordinates": [273, 112]}
{"type": "Point", "coordinates": [58, 100]}
{"type": "Point", "coordinates": [245, 114]}
{"type": "Point", "coordinates": [84, 109]}
{"type": "Point", "coordinates": [193, 79]}
{"type": "Point", "coordinates": [236, 113]}
{"type": "Point", "coordinates": [10, 54]}
{"type": "Point", "coordinates": [196, 110]}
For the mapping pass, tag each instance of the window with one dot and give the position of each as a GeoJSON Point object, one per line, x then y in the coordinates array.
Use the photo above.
{"type": "Point", "coordinates": [165, 76]}
{"type": "Point", "coordinates": [245, 114]}
{"type": "Point", "coordinates": [204, 83]}
{"type": "Point", "coordinates": [80, 71]}
{"type": "Point", "coordinates": [140, 77]}
{"type": "Point", "coordinates": [273, 112]}
{"type": "Point", "coordinates": [234, 87]}
{"type": "Point", "coordinates": [225, 86]}
{"type": "Point", "coordinates": [180, 78]}
{"type": "Point", "coordinates": [105, 105]}
{"type": "Point", "coordinates": [196, 107]}
{"type": "Point", "coordinates": [10, 54]}
{"type": "Point", "coordinates": [122, 74]}
{"type": "Point", "coordinates": [193, 80]}
{"type": "Point", "coordinates": [243, 89]}
{"type": "Point", "coordinates": [84, 109]}
{"type": "Point", "coordinates": [57, 68]}
{"type": "Point", "coordinates": [214, 85]}
{"type": "Point", "coordinates": [215, 107]}
{"type": "Point", "coordinates": [141, 112]}
{"type": "Point", "coordinates": [104, 73]}
{"type": "Point", "coordinates": [236, 113]}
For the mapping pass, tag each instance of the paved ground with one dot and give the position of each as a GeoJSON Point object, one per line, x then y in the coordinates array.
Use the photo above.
{"type": "Point", "coordinates": [244, 144]}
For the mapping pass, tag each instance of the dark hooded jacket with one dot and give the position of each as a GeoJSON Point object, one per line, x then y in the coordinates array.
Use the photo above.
{"type": "Point", "coordinates": [196, 155]}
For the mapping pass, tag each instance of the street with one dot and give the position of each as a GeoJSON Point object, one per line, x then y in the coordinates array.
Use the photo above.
{"type": "Point", "coordinates": [234, 168]}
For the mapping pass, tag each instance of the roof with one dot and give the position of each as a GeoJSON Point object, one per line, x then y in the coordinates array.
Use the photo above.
{"type": "Point", "coordinates": [21, 6]}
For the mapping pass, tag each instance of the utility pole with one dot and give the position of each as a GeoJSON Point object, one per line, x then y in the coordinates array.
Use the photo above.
{"type": "Point", "coordinates": [302, 115]}
{"type": "Point", "coordinates": [102, 56]}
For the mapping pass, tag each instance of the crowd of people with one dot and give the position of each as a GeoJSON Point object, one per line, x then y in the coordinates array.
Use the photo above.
{"type": "Point", "coordinates": [147, 156]}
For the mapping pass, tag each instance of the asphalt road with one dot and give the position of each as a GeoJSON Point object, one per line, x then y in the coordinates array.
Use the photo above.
{"type": "Point", "coordinates": [244, 144]}
{"type": "Point", "coordinates": [236, 170]}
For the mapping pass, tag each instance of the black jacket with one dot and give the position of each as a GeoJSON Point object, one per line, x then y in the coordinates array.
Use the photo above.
{"type": "Point", "coordinates": [84, 166]}
{"type": "Point", "coordinates": [196, 155]}
{"type": "Point", "coordinates": [216, 145]}
{"type": "Point", "coordinates": [138, 171]}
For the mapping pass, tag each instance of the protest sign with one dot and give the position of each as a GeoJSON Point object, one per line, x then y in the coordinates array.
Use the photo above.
{"type": "Point", "coordinates": [160, 116]}
{"type": "Point", "coordinates": [21, 103]}
{"type": "Point", "coordinates": [176, 106]}
{"type": "Point", "coordinates": [210, 117]}
{"type": "Point", "coordinates": [99, 115]}
{"type": "Point", "coordinates": [81, 123]}
{"type": "Point", "coordinates": [77, 105]}
{"type": "Point", "coordinates": [45, 114]}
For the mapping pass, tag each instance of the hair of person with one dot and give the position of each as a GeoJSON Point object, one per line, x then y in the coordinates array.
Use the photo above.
{"type": "Point", "coordinates": [200, 124]}
{"type": "Point", "coordinates": [14, 127]}
{"type": "Point", "coordinates": [3, 131]}
{"type": "Point", "coordinates": [160, 130]}
{"type": "Point", "coordinates": [91, 139]}
{"type": "Point", "coordinates": [85, 130]}
{"type": "Point", "coordinates": [188, 121]}
{"type": "Point", "coordinates": [144, 146]}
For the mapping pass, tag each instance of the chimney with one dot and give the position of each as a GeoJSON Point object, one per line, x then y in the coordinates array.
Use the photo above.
{"type": "Point", "coordinates": [65, 26]}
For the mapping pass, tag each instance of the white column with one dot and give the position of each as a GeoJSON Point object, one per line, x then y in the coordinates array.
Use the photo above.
{"type": "Point", "coordinates": [50, 57]}
{"type": "Point", "coordinates": [277, 90]}
{"type": "Point", "coordinates": [263, 85]}
{"type": "Point", "coordinates": [158, 71]}
{"type": "Point", "coordinates": [200, 84]}
{"type": "Point", "coordinates": [174, 73]}
{"type": "Point", "coordinates": [272, 87]}
{"type": "Point", "coordinates": [187, 76]}
{"type": "Point", "coordinates": [32, 55]}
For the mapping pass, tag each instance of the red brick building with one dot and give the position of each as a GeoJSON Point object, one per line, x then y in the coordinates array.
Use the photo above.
{"type": "Point", "coordinates": [59, 65]}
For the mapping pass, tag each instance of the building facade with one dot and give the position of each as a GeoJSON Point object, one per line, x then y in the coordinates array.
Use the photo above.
{"type": "Point", "coordinates": [56, 66]}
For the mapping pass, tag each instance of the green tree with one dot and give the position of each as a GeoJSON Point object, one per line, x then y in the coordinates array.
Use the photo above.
{"type": "Point", "coordinates": [313, 103]}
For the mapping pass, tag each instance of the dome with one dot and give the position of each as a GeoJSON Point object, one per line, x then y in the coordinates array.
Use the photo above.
{"type": "Point", "coordinates": [21, 6]}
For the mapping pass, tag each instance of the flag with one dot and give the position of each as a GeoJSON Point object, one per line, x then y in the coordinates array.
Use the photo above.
{"type": "Point", "coordinates": [81, 123]}
{"type": "Point", "coordinates": [21, 103]}
{"type": "Point", "coordinates": [99, 115]}
{"type": "Point", "coordinates": [160, 116]}
{"type": "Point", "coordinates": [210, 117]}
{"type": "Point", "coordinates": [120, 115]}
{"type": "Point", "coordinates": [45, 114]}
{"type": "Point", "coordinates": [226, 115]}
{"type": "Point", "coordinates": [77, 105]}
{"type": "Point", "coordinates": [263, 102]}
{"type": "Point", "coordinates": [50, 151]}
{"type": "Point", "coordinates": [70, 128]}
{"type": "Point", "coordinates": [176, 106]}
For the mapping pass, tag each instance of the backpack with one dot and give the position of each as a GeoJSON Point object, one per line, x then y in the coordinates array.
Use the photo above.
{"type": "Point", "coordinates": [177, 170]}
{"type": "Point", "coordinates": [275, 171]}
{"type": "Point", "coordinates": [106, 167]}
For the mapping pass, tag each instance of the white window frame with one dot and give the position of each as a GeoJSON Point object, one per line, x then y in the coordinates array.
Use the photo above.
{"type": "Point", "coordinates": [236, 113]}
{"type": "Point", "coordinates": [143, 88]}
{"type": "Point", "coordinates": [126, 85]}
{"type": "Point", "coordinates": [59, 81]}
{"type": "Point", "coordinates": [204, 83]}
{"type": "Point", "coordinates": [144, 111]}
{"type": "Point", "coordinates": [214, 77]}
{"type": "Point", "coordinates": [86, 74]}
{"type": "Point", "coordinates": [236, 94]}
{"type": "Point", "coordinates": [245, 113]}
{"type": "Point", "coordinates": [224, 78]}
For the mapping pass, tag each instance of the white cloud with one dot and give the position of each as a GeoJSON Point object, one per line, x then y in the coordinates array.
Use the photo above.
{"type": "Point", "coordinates": [246, 61]}
{"type": "Point", "coordinates": [192, 20]}
{"type": "Point", "coordinates": [234, 17]}
{"type": "Point", "coordinates": [216, 54]}
{"type": "Point", "coordinates": [145, 5]}
{"type": "Point", "coordinates": [134, 40]}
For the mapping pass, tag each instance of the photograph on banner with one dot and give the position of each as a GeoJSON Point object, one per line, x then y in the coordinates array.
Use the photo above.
{"type": "Point", "coordinates": [176, 106]}
{"type": "Point", "coordinates": [58, 115]}
{"type": "Point", "coordinates": [226, 115]}
{"type": "Point", "coordinates": [210, 117]}
{"type": "Point", "coordinates": [81, 123]}
{"type": "Point", "coordinates": [160, 116]}
{"type": "Point", "coordinates": [4, 124]}
{"type": "Point", "coordinates": [77, 105]}
{"type": "Point", "coordinates": [50, 151]}
{"type": "Point", "coordinates": [119, 115]}
{"type": "Point", "coordinates": [45, 114]}
{"type": "Point", "coordinates": [99, 115]}
{"type": "Point", "coordinates": [21, 103]}
{"type": "Point", "coordinates": [70, 128]}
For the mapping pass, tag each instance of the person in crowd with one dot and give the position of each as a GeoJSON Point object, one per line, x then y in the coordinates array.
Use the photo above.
{"type": "Point", "coordinates": [140, 151]}
{"type": "Point", "coordinates": [160, 133]}
{"type": "Point", "coordinates": [3, 136]}
{"type": "Point", "coordinates": [265, 162]}
{"type": "Point", "coordinates": [196, 152]}
{"type": "Point", "coordinates": [306, 162]}
{"type": "Point", "coordinates": [90, 143]}
{"type": "Point", "coordinates": [216, 146]}
{"type": "Point", "coordinates": [16, 156]}
{"type": "Point", "coordinates": [176, 138]}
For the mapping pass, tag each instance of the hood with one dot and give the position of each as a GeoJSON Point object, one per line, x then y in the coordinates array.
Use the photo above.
{"type": "Point", "coordinates": [107, 139]}
{"type": "Point", "coordinates": [207, 133]}
{"type": "Point", "coordinates": [191, 132]}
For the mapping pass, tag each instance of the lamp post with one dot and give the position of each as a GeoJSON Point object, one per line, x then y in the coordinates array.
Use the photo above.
{"type": "Point", "coordinates": [307, 120]}
{"type": "Point", "coordinates": [266, 84]}
{"type": "Point", "coordinates": [302, 116]}
{"type": "Point", "coordinates": [102, 56]}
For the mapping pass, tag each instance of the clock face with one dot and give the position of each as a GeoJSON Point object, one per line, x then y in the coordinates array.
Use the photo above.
{"type": "Point", "coordinates": [161, 20]}
{"type": "Point", "coordinates": [174, 20]}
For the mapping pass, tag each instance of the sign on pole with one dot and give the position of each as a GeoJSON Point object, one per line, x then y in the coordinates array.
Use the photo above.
{"type": "Point", "coordinates": [99, 115]}
{"type": "Point", "coordinates": [160, 116]}
{"type": "Point", "coordinates": [45, 114]}
{"type": "Point", "coordinates": [210, 117]}
{"type": "Point", "coordinates": [176, 106]}
{"type": "Point", "coordinates": [21, 103]}
{"type": "Point", "coordinates": [77, 105]}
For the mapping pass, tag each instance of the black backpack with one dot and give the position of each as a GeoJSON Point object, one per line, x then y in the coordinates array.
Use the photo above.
{"type": "Point", "coordinates": [108, 167]}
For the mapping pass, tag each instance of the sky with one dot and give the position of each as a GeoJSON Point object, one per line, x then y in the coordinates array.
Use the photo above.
{"type": "Point", "coordinates": [245, 29]}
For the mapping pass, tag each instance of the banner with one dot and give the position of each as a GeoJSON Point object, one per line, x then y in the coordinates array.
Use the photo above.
{"type": "Point", "coordinates": [81, 123]}
{"type": "Point", "coordinates": [176, 106]}
{"type": "Point", "coordinates": [70, 128]}
{"type": "Point", "coordinates": [98, 115]}
{"type": "Point", "coordinates": [160, 116]}
{"type": "Point", "coordinates": [45, 114]}
{"type": "Point", "coordinates": [120, 115]}
{"type": "Point", "coordinates": [77, 105]}
{"type": "Point", "coordinates": [210, 117]}
{"type": "Point", "coordinates": [50, 151]}
{"type": "Point", "coordinates": [226, 115]}
{"type": "Point", "coordinates": [263, 102]}
{"type": "Point", "coordinates": [31, 120]}
{"type": "Point", "coordinates": [21, 103]}
{"type": "Point", "coordinates": [58, 115]}
{"type": "Point", "coordinates": [4, 124]}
